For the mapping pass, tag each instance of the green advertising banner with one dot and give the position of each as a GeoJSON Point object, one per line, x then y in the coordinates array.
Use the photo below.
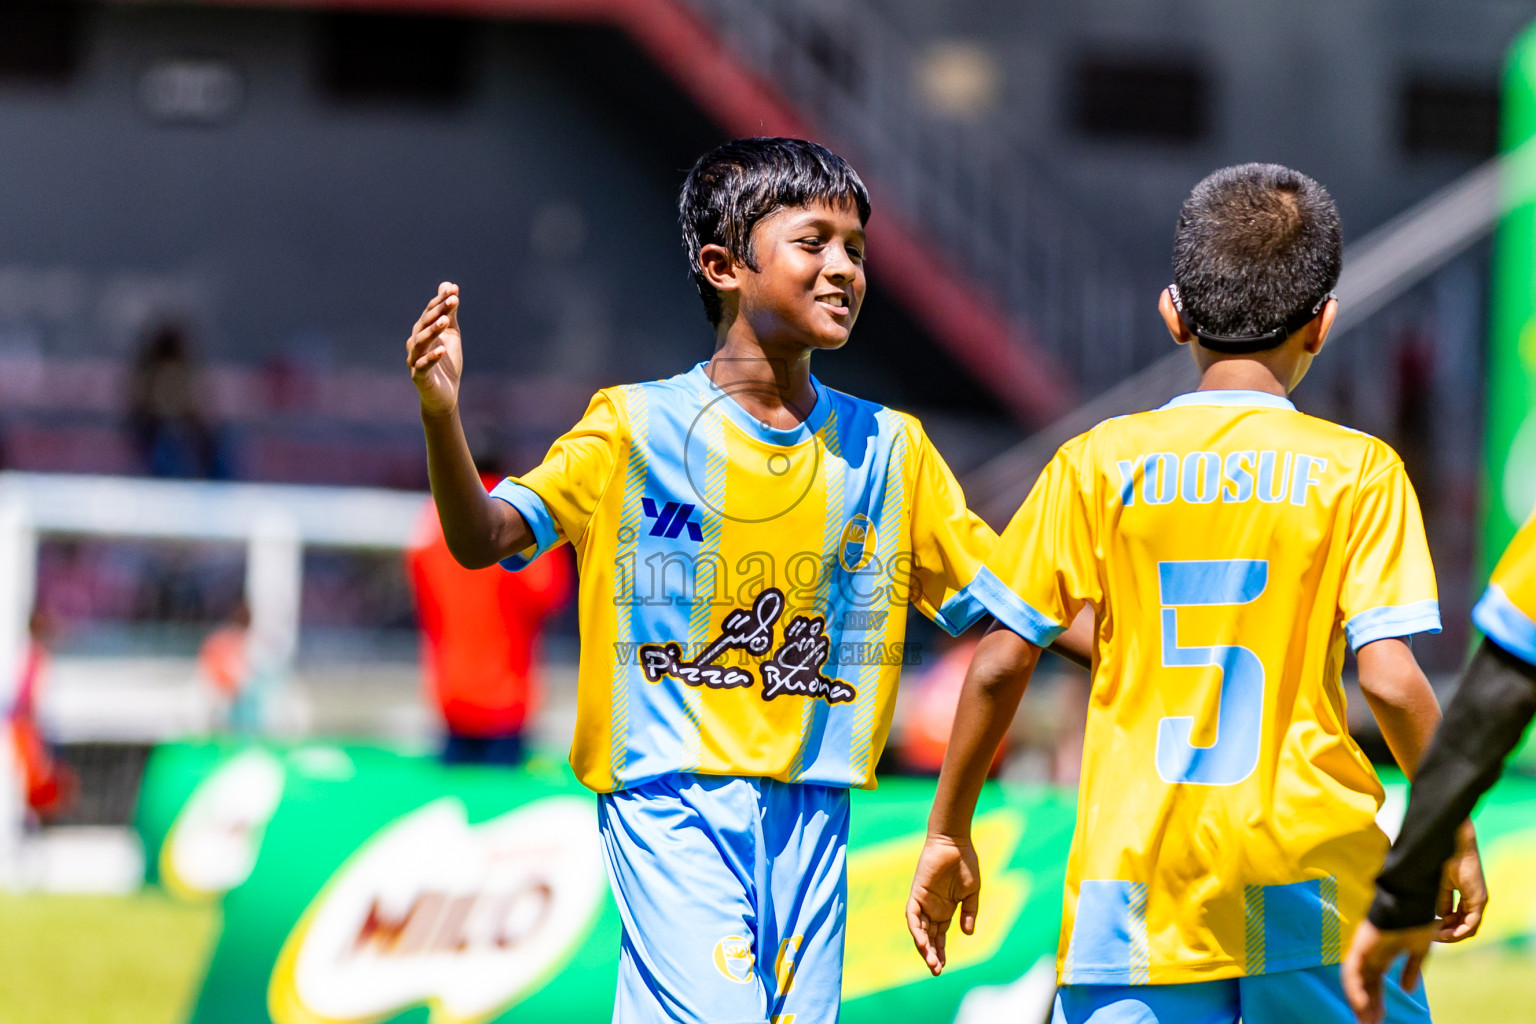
{"type": "Point", "coordinates": [362, 885]}
{"type": "Point", "coordinates": [1511, 440]}
{"type": "Point", "coordinates": [359, 885]}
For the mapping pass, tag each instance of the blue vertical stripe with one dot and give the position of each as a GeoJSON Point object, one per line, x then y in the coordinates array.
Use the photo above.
{"type": "Point", "coordinates": [1291, 927]}
{"type": "Point", "coordinates": [890, 528]}
{"type": "Point", "coordinates": [1109, 935]}
{"type": "Point", "coordinates": [813, 721]}
{"type": "Point", "coordinates": [709, 435]}
{"type": "Point", "coordinates": [664, 715]}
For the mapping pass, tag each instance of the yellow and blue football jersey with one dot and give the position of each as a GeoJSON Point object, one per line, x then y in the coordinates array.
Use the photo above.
{"type": "Point", "coordinates": [1230, 547]}
{"type": "Point", "coordinates": [1506, 613]}
{"type": "Point", "coordinates": [744, 588]}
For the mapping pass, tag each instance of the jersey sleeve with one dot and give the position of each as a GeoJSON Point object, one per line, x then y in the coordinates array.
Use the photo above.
{"type": "Point", "coordinates": [949, 541]}
{"type": "Point", "coordinates": [558, 497]}
{"type": "Point", "coordinates": [1389, 583]}
{"type": "Point", "coordinates": [1044, 569]}
{"type": "Point", "coordinates": [1507, 611]}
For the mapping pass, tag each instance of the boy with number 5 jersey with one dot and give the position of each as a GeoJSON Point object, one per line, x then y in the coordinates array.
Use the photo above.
{"type": "Point", "coordinates": [1230, 548]}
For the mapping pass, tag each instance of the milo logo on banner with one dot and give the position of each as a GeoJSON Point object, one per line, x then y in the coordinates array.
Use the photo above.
{"type": "Point", "coordinates": [467, 919]}
{"type": "Point", "coordinates": [212, 845]}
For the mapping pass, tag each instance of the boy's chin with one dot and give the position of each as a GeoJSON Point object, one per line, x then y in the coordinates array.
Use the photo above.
{"type": "Point", "coordinates": [814, 336]}
{"type": "Point", "coordinates": [827, 336]}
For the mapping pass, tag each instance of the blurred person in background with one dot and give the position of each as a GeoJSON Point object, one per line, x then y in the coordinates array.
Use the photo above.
{"type": "Point", "coordinates": [166, 416]}
{"type": "Point", "coordinates": [224, 665]}
{"type": "Point", "coordinates": [923, 734]}
{"type": "Point", "coordinates": [929, 698]}
{"type": "Point", "coordinates": [48, 786]}
{"type": "Point", "coordinates": [929, 714]}
{"type": "Point", "coordinates": [479, 636]}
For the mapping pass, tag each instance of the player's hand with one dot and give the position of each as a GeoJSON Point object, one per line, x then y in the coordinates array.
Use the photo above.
{"type": "Point", "coordinates": [948, 877]}
{"type": "Point", "coordinates": [434, 352]}
{"type": "Point", "coordinates": [1463, 891]}
{"type": "Point", "coordinates": [1371, 954]}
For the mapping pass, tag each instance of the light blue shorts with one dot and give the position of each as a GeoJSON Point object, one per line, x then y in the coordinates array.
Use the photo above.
{"type": "Point", "coordinates": [734, 895]}
{"type": "Point", "coordinates": [1314, 995]}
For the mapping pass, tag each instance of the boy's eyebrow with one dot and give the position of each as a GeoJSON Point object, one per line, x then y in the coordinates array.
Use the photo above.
{"type": "Point", "coordinates": [816, 219]}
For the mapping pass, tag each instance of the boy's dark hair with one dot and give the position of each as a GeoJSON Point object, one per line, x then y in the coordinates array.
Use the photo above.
{"type": "Point", "coordinates": [734, 186]}
{"type": "Point", "coordinates": [1257, 248]}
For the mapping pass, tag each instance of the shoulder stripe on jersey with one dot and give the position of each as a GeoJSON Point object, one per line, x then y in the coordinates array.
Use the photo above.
{"type": "Point", "coordinates": [1505, 624]}
{"type": "Point", "coordinates": [533, 510]}
{"type": "Point", "coordinates": [1393, 621]}
{"type": "Point", "coordinates": [961, 611]}
{"type": "Point", "coordinates": [1013, 611]}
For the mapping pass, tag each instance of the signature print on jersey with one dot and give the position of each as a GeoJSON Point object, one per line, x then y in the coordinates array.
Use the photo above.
{"type": "Point", "coordinates": [796, 666]}
{"type": "Point", "coordinates": [794, 669]}
{"type": "Point", "coordinates": [749, 630]}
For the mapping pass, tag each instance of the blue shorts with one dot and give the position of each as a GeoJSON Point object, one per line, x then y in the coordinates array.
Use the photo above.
{"type": "Point", "coordinates": [734, 897]}
{"type": "Point", "coordinates": [1314, 995]}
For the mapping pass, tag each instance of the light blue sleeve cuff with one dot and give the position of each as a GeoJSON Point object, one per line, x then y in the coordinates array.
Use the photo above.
{"type": "Point", "coordinates": [1504, 624]}
{"type": "Point", "coordinates": [1393, 621]}
{"type": "Point", "coordinates": [545, 533]}
{"type": "Point", "coordinates": [1013, 611]}
{"type": "Point", "coordinates": [961, 611]}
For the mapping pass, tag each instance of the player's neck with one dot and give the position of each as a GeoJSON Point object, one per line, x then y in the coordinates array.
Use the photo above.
{"type": "Point", "coordinates": [773, 387]}
{"type": "Point", "coordinates": [1241, 375]}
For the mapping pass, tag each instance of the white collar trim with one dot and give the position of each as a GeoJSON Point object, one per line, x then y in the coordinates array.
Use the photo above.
{"type": "Point", "coordinates": [1260, 399]}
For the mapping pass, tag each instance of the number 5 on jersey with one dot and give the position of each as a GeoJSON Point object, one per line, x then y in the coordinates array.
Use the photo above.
{"type": "Point", "coordinates": [1240, 714]}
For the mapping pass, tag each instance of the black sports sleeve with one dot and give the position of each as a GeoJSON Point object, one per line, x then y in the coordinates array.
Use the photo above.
{"type": "Point", "coordinates": [1485, 721]}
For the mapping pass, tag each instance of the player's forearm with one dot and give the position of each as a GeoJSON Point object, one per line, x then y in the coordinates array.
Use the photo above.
{"type": "Point", "coordinates": [1401, 699]}
{"type": "Point", "coordinates": [1485, 720]}
{"type": "Point", "coordinates": [994, 685]}
{"type": "Point", "coordinates": [479, 529]}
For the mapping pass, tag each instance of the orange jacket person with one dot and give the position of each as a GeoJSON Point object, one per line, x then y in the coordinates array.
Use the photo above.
{"type": "Point", "coordinates": [480, 631]}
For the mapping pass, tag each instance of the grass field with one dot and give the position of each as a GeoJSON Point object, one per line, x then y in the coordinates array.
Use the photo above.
{"type": "Point", "coordinates": [101, 959]}
{"type": "Point", "coordinates": [137, 960]}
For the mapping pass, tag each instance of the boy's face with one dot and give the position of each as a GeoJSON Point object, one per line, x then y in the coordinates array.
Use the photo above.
{"type": "Point", "coordinates": [809, 284]}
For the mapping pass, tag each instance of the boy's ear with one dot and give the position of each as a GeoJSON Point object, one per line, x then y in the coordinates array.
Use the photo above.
{"type": "Point", "coordinates": [720, 268]}
{"type": "Point", "coordinates": [1324, 321]}
{"type": "Point", "coordinates": [1181, 334]}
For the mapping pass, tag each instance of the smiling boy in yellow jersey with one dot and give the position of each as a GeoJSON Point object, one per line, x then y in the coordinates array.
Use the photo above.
{"type": "Point", "coordinates": [749, 541]}
{"type": "Point", "coordinates": [1229, 548]}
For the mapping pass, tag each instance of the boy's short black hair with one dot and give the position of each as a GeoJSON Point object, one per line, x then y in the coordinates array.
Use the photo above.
{"type": "Point", "coordinates": [734, 186]}
{"type": "Point", "coordinates": [1257, 248]}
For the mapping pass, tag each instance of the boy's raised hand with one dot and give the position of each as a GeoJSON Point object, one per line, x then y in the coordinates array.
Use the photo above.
{"type": "Point", "coordinates": [435, 353]}
{"type": "Point", "coordinates": [948, 877]}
